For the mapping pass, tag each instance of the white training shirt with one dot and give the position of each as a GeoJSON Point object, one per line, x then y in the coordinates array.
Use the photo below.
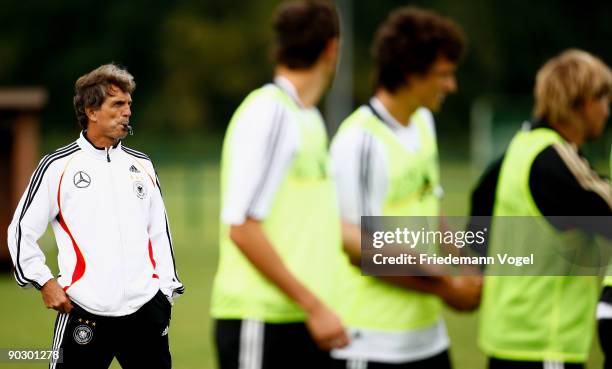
{"type": "Point", "coordinates": [604, 310]}
{"type": "Point", "coordinates": [266, 136]}
{"type": "Point", "coordinates": [347, 151]}
{"type": "Point", "coordinates": [350, 151]}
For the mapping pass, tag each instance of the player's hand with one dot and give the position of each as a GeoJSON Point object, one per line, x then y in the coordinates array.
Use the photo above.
{"type": "Point", "coordinates": [463, 293]}
{"type": "Point", "coordinates": [55, 297]}
{"type": "Point", "coordinates": [326, 328]}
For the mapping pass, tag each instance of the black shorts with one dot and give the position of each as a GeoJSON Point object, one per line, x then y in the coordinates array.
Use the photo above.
{"type": "Point", "coordinates": [440, 361]}
{"type": "Point", "coordinates": [510, 364]}
{"type": "Point", "coordinates": [253, 344]}
{"type": "Point", "coordinates": [605, 340]}
{"type": "Point", "coordinates": [138, 340]}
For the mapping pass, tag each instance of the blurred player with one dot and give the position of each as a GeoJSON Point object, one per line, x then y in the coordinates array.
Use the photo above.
{"type": "Point", "coordinates": [385, 163]}
{"type": "Point", "coordinates": [604, 313]}
{"type": "Point", "coordinates": [547, 321]}
{"type": "Point", "coordinates": [280, 241]}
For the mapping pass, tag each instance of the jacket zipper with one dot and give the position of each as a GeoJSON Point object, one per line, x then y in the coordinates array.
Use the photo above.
{"type": "Point", "coordinates": [121, 254]}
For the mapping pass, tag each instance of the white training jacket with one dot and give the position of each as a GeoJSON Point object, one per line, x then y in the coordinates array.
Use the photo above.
{"type": "Point", "coordinates": [110, 225]}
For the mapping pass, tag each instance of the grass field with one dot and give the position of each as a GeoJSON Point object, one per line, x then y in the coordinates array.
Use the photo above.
{"type": "Point", "coordinates": [191, 195]}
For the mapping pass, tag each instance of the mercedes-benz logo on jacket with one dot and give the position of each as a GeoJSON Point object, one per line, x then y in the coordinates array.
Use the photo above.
{"type": "Point", "coordinates": [81, 179]}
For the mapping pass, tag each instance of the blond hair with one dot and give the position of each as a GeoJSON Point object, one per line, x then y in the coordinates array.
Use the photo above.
{"type": "Point", "coordinates": [91, 89]}
{"type": "Point", "coordinates": [568, 80]}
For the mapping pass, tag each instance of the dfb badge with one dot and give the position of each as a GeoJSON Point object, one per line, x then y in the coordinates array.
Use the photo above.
{"type": "Point", "coordinates": [140, 190]}
{"type": "Point", "coordinates": [82, 334]}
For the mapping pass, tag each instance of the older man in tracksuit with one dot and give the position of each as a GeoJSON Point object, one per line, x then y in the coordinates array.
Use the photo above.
{"type": "Point", "coordinates": [117, 275]}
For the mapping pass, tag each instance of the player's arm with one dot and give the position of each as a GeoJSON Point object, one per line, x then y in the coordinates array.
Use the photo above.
{"type": "Point", "coordinates": [565, 188]}
{"type": "Point", "coordinates": [460, 293]}
{"type": "Point", "coordinates": [161, 245]}
{"type": "Point", "coordinates": [351, 242]}
{"type": "Point", "coordinates": [359, 171]}
{"type": "Point", "coordinates": [324, 325]}
{"type": "Point", "coordinates": [261, 150]}
{"type": "Point", "coordinates": [35, 210]}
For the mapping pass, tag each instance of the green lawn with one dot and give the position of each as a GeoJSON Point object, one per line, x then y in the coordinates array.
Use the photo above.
{"type": "Point", "coordinates": [191, 195]}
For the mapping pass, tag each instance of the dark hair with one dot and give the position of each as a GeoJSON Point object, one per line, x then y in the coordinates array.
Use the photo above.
{"type": "Point", "coordinates": [91, 89]}
{"type": "Point", "coordinates": [303, 28]}
{"type": "Point", "coordinates": [410, 41]}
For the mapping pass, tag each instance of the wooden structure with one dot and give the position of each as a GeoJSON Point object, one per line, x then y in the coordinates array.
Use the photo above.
{"type": "Point", "coordinates": [19, 152]}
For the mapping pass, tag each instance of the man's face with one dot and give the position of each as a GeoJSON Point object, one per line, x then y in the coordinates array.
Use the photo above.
{"type": "Point", "coordinates": [595, 113]}
{"type": "Point", "coordinates": [113, 116]}
{"type": "Point", "coordinates": [431, 88]}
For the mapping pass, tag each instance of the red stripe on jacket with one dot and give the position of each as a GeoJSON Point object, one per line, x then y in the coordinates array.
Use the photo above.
{"type": "Point", "coordinates": [79, 268]}
{"type": "Point", "coordinates": [152, 259]}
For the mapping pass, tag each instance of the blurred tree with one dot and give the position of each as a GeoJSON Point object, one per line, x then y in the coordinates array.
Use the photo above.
{"type": "Point", "coordinates": [507, 43]}
{"type": "Point", "coordinates": [194, 61]}
{"type": "Point", "coordinates": [52, 43]}
{"type": "Point", "coordinates": [212, 55]}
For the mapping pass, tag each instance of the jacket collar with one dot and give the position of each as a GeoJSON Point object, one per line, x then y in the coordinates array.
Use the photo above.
{"type": "Point", "coordinates": [104, 153]}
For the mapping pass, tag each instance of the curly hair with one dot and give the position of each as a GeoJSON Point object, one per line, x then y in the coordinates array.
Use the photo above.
{"type": "Point", "coordinates": [91, 89]}
{"type": "Point", "coordinates": [410, 41]}
{"type": "Point", "coordinates": [303, 28]}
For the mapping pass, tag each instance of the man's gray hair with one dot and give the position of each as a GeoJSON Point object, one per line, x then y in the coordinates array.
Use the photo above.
{"type": "Point", "coordinates": [91, 89]}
